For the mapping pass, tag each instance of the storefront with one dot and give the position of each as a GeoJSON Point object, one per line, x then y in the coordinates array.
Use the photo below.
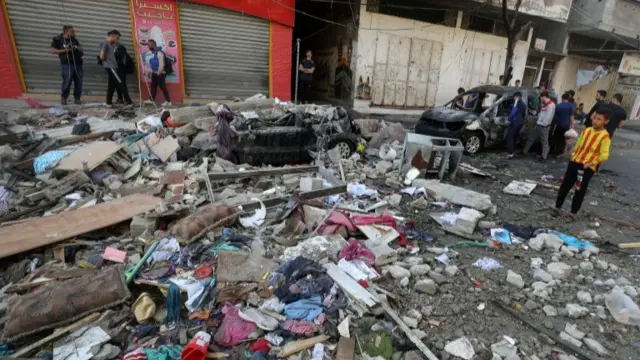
{"type": "Point", "coordinates": [220, 49]}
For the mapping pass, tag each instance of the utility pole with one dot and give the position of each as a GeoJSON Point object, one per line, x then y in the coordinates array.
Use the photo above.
{"type": "Point", "coordinates": [513, 35]}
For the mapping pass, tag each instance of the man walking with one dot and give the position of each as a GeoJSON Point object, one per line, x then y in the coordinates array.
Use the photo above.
{"type": "Point", "coordinates": [591, 150]}
{"type": "Point", "coordinates": [600, 96]}
{"type": "Point", "coordinates": [563, 119]}
{"type": "Point", "coordinates": [516, 121]}
{"type": "Point", "coordinates": [618, 114]}
{"type": "Point", "coordinates": [158, 73]}
{"type": "Point", "coordinates": [542, 127]}
{"type": "Point", "coordinates": [306, 69]}
{"type": "Point", "coordinates": [117, 74]}
{"type": "Point", "coordinates": [69, 50]}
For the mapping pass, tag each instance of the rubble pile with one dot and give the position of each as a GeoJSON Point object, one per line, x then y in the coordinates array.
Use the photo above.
{"type": "Point", "coordinates": [263, 230]}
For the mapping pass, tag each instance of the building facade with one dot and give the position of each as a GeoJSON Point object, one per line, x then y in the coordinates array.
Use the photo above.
{"type": "Point", "coordinates": [219, 48]}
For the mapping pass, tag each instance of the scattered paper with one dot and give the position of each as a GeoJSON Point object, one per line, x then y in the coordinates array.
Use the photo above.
{"type": "Point", "coordinates": [449, 219]}
{"type": "Point", "coordinates": [461, 348]}
{"type": "Point", "coordinates": [343, 328]}
{"type": "Point", "coordinates": [444, 258]}
{"type": "Point", "coordinates": [412, 174]}
{"type": "Point", "coordinates": [487, 263]}
{"type": "Point", "coordinates": [80, 343]}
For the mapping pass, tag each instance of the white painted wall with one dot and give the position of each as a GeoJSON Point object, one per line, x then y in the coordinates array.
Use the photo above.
{"type": "Point", "coordinates": [464, 53]}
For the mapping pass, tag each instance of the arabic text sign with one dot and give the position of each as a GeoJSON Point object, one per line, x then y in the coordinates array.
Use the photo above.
{"type": "Point", "coordinates": [157, 20]}
{"type": "Point", "coordinates": [630, 64]}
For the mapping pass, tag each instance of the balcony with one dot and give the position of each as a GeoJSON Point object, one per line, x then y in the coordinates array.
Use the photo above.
{"type": "Point", "coordinates": [614, 20]}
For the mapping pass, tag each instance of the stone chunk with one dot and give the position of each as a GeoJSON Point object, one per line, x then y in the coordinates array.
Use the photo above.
{"type": "Point", "coordinates": [310, 184]}
{"type": "Point", "coordinates": [536, 243]}
{"type": "Point", "coordinates": [596, 347]}
{"type": "Point", "coordinates": [437, 277]}
{"type": "Point", "coordinates": [397, 272]}
{"type": "Point", "coordinates": [576, 311]}
{"type": "Point", "coordinates": [584, 297]}
{"type": "Point", "coordinates": [559, 270]}
{"type": "Point", "coordinates": [586, 266]}
{"type": "Point", "coordinates": [570, 339]}
{"type": "Point", "coordinates": [573, 330]}
{"type": "Point", "coordinates": [552, 242]}
{"type": "Point", "coordinates": [426, 286]}
{"type": "Point", "coordinates": [542, 275]}
{"type": "Point", "coordinates": [139, 225]}
{"type": "Point", "coordinates": [550, 310]}
{"type": "Point", "coordinates": [515, 279]}
{"type": "Point", "coordinates": [451, 270]}
{"type": "Point", "coordinates": [420, 270]}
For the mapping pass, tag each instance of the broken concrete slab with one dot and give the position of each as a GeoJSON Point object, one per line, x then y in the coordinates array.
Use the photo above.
{"type": "Point", "coordinates": [520, 188]}
{"type": "Point", "coordinates": [240, 266]}
{"type": "Point", "coordinates": [454, 194]}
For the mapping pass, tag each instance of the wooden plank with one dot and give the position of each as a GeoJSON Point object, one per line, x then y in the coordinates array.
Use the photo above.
{"type": "Point", "coordinates": [56, 335]}
{"type": "Point", "coordinates": [309, 195]}
{"type": "Point", "coordinates": [346, 349]}
{"type": "Point", "coordinates": [349, 285]}
{"type": "Point", "coordinates": [410, 334]}
{"type": "Point", "coordinates": [615, 221]}
{"type": "Point", "coordinates": [262, 172]}
{"type": "Point", "coordinates": [299, 345]}
{"type": "Point", "coordinates": [49, 230]}
{"type": "Point", "coordinates": [93, 154]}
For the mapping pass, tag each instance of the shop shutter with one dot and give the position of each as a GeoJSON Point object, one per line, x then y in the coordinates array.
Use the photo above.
{"type": "Point", "coordinates": [225, 53]}
{"type": "Point", "coordinates": [36, 22]}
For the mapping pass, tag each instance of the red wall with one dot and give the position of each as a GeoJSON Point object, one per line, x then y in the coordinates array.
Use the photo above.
{"type": "Point", "coordinates": [281, 47]}
{"type": "Point", "coordinates": [9, 76]}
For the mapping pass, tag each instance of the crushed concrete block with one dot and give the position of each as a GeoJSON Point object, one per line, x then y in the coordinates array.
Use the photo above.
{"type": "Point", "coordinates": [420, 270]}
{"type": "Point", "coordinates": [426, 286]}
{"type": "Point", "coordinates": [572, 329]}
{"type": "Point", "coordinates": [570, 339]}
{"type": "Point", "coordinates": [584, 297]}
{"type": "Point", "coordinates": [467, 219]}
{"type": "Point", "coordinates": [397, 272]}
{"type": "Point", "coordinates": [559, 270]}
{"type": "Point", "coordinates": [576, 311]}
{"type": "Point", "coordinates": [542, 275]}
{"type": "Point", "coordinates": [515, 279]}
{"type": "Point", "coordinates": [586, 266]}
{"type": "Point", "coordinates": [550, 310]}
{"type": "Point", "coordinates": [596, 347]}
{"type": "Point", "coordinates": [383, 167]}
{"type": "Point", "coordinates": [552, 241]}
{"type": "Point", "coordinates": [455, 194]}
{"type": "Point", "coordinates": [536, 243]}
{"type": "Point", "coordinates": [310, 184]}
{"type": "Point", "coordinates": [141, 225]}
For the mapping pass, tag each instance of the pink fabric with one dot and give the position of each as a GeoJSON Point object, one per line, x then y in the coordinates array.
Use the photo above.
{"type": "Point", "coordinates": [387, 220]}
{"type": "Point", "coordinates": [355, 250]}
{"type": "Point", "coordinates": [336, 220]}
{"type": "Point", "coordinates": [233, 329]}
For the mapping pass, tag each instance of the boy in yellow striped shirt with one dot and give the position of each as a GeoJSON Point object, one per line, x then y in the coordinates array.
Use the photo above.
{"type": "Point", "coordinates": [591, 150]}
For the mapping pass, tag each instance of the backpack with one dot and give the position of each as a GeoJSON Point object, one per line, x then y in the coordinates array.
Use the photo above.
{"type": "Point", "coordinates": [168, 63]}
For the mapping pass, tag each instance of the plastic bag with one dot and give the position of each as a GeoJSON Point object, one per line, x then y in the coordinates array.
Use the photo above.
{"type": "Point", "coordinates": [571, 134]}
{"type": "Point", "coordinates": [622, 307]}
{"type": "Point", "coordinates": [147, 123]}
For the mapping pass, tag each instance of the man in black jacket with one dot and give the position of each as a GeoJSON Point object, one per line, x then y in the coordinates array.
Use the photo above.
{"type": "Point", "coordinates": [69, 50]}
{"type": "Point", "coordinates": [601, 95]}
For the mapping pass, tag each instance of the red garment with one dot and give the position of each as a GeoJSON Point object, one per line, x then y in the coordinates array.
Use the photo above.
{"type": "Point", "coordinates": [260, 345]}
{"type": "Point", "coordinates": [387, 220]}
{"type": "Point", "coordinates": [302, 327]}
{"type": "Point", "coordinates": [335, 221]}
{"type": "Point", "coordinates": [355, 250]}
{"type": "Point", "coordinates": [233, 329]}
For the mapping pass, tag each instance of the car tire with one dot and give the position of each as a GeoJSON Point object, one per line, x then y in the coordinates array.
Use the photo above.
{"type": "Point", "coordinates": [473, 142]}
{"type": "Point", "coordinates": [346, 148]}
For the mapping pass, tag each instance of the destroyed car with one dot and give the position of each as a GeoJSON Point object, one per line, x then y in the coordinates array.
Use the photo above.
{"type": "Point", "coordinates": [482, 118]}
{"type": "Point", "coordinates": [288, 135]}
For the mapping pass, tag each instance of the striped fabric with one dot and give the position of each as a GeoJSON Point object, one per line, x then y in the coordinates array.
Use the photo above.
{"type": "Point", "coordinates": [592, 147]}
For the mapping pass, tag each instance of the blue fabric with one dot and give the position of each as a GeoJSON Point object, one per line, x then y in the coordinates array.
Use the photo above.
{"type": "Point", "coordinates": [72, 74]}
{"type": "Point", "coordinates": [518, 112]}
{"type": "Point", "coordinates": [564, 110]}
{"type": "Point", "coordinates": [307, 309]}
{"type": "Point", "coordinates": [48, 160]}
{"type": "Point", "coordinates": [513, 131]}
{"type": "Point", "coordinates": [571, 240]}
{"type": "Point", "coordinates": [154, 62]}
{"type": "Point", "coordinates": [164, 352]}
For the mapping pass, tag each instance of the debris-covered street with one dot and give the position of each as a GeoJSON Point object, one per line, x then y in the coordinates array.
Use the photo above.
{"type": "Point", "coordinates": [141, 233]}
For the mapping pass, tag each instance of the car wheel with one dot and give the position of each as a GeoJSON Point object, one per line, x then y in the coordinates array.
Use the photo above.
{"type": "Point", "coordinates": [345, 148]}
{"type": "Point", "coordinates": [473, 142]}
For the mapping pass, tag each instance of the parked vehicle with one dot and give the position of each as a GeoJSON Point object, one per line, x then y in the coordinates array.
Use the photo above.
{"type": "Point", "coordinates": [482, 120]}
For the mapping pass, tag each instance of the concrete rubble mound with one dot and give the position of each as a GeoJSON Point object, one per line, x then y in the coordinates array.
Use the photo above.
{"type": "Point", "coordinates": [261, 229]}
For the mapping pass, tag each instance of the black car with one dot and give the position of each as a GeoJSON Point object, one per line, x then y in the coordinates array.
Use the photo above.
{"type": "Point", "coordinates": [481, 119]}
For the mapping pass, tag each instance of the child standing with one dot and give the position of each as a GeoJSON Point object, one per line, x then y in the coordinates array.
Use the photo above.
{"type": "Point", "coordinates": [591, 150]}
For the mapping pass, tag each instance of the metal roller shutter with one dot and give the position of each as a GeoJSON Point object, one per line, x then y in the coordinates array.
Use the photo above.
{"type": "Point", "coordinates": [225, 53]}
{"type": "Point", "coordinates": [36, 22]}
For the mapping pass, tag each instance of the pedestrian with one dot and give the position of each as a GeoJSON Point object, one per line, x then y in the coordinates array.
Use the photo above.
{"type": "Point", "coordinates": [516, 121]}
{"type": "Point", "coordinates": [306, 69]}
{"type": "Point", "coordinates": [580, 114]}
{"type": "Point", "coordinates": [601, 95]}
{"type": "Point", "coordinates": [542, 127]}
{"type": "Point", "coordinates": [460, 98]}
{"type": "Point", "coordinates": [518, 83]}
{"type": "Point", "coordinates": [158, 72]}
{"type": "Point", "coordinates": [618, 114]}
{"type": "Point", "coordinates": [563, 121]}
{"type": "Point", "coordinates": [591, 150]}
{"type": "Point", "coordinates": [70, 52]}
{"type": "Point", "coordinates": [117, 75]}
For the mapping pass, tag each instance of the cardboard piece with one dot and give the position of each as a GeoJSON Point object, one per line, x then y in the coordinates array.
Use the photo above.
{"type": "Point", "coordinates": [93, 154]}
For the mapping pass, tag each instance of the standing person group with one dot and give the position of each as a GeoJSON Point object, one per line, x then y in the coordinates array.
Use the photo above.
{"type": "Point", "coordinates": [117, 63]}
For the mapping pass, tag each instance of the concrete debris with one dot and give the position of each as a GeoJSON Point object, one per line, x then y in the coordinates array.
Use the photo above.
{"type": "Point", "coordinates": [299, 238]}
